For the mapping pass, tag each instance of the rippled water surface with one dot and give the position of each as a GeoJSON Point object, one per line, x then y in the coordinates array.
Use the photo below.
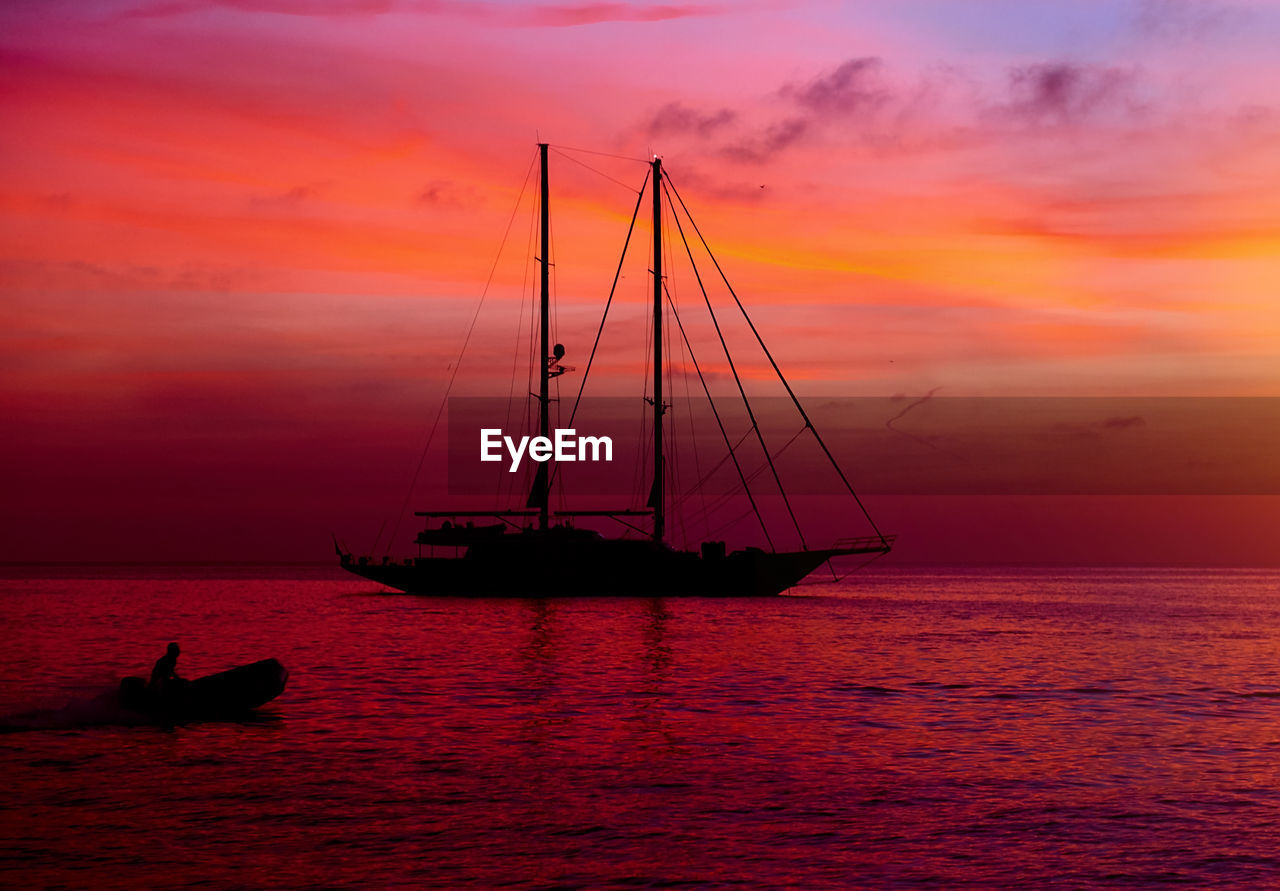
{"type": "Point", "coordinates": [946, 727]}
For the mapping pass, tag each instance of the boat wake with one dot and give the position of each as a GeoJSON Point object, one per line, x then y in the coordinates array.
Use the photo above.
{"type": "Point", "coordinates": [95, 708]}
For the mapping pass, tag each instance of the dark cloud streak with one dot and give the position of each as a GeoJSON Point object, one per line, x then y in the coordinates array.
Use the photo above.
{"type": "Point", "coordinates": [675, 117]}
{"type": "Point", "coordinates": [857, 104]}
{"type": "Point", "coordinates": [774, 139]}
{"type": "Point", "coordinates": [1065, 92]}
{"type": "Point", "coordinates": [852, 88]}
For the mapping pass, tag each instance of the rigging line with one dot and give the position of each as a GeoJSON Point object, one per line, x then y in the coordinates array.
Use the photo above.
{"type": "Point", "coordinates": [532, 402]}
{"type": "Point", "coordinates": [378, 538]}
{"type": "Point", "coordinates": [872, 559]}
{"type": "Point", "coordinates": [522, 482]}
{"type": "Point", "coordinates": [530, 413]}
{"type": "Point", "coordinates": [707, 509]}
{"type": "Point", "coordinates": [693, 433]}
{"type": "Point", "coordinates": [735, 521]}
{"type": "Point", "coordinates": [612, 288]}
{"type": "Point", "coordinates": [716, 506]}
{"type": "Point", "coordinates": [738, 380]}
{"type": "Point", "coordinates": [671, 468]}
{"type": "Point", "coordinates": [645, 441]}
{"type": "Point", "coordinates": [554, 298]}
{"type": "Point", "coordinates": [435, 426]}
{"type": "Point", "coordinates": [757, 471]}
{"type": "Point", "coordinates": [800, 408]}
{"type": "Point", "coordinates": [526, 293]}
{"type": "Point", "coordinates": [719, 423]}
{"type": "Point", "coordinates": [779, 452]}
{"type": "Point", "coordinates": [697, 487]}
{"type": "Point", "coordinates": [593, 170]}
{"type": "Point", "coordinates": [569, 148]}
{"type": "Point", "coordinates": [726, 497]}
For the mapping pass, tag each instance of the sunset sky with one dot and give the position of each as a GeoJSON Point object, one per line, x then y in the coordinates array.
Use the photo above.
{"type": "Point", "coordinates": [242, 240]}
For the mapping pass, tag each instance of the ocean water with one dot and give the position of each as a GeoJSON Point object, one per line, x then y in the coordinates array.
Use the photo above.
{"type": "Point", "coordinates": [944, 727]}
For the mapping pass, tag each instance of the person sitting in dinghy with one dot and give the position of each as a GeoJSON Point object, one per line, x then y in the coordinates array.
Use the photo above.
{"type": "Point", "coordinates": [164, 677]}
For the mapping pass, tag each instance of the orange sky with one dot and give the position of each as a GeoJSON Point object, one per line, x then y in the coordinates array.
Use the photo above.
{"type": "Point", "coordinates": [246, 219]}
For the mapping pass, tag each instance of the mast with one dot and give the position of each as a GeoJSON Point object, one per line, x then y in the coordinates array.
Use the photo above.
{"type": "Point", "coordinates": [656, 494]}
{"type": "Point", "coordinates": [541, 489]}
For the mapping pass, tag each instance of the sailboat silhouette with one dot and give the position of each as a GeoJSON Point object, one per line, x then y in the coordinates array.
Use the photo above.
{"type": "Point", "coordinates": [535, 551]}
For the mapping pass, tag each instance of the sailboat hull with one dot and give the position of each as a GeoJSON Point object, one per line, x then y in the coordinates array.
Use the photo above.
{"type": "Point", "coordinates": [540, 565]}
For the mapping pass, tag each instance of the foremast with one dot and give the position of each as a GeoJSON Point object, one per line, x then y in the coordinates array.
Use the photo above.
{"type": "Point", "coordinates": [656, 500]}
{"type": "Point", "coordinates": [540, 496]}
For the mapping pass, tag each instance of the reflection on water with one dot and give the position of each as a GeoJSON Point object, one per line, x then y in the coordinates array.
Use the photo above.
{"type": "Point", "coordinates": [538, 661]}
{"type": "Point", "coordinates": [657, 653]}
{"type": "Point", "coordinates": [947, 727]}
{"type": "Point", "coordinates": [538, 652]}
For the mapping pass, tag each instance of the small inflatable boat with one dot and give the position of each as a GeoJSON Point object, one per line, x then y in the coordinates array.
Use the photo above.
{"type": "Point", "coordinates": [226, 694]}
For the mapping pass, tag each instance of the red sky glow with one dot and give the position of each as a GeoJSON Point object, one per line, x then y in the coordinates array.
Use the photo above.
{"type": "Point", "coordinates": [241, 240]}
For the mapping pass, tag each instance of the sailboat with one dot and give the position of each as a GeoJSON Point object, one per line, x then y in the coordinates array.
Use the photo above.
{"type": "Point", "coordinates": [537, 551]}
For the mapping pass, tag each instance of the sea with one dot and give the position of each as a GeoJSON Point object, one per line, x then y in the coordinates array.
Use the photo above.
{"type": "Point", "coordinates": [944, 727]}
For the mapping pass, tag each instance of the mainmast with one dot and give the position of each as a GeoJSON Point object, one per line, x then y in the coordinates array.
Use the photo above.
{"type": "Point", "coordinates": [540, 496]}
{"type": "Point", "coordinates": [656, 494]}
